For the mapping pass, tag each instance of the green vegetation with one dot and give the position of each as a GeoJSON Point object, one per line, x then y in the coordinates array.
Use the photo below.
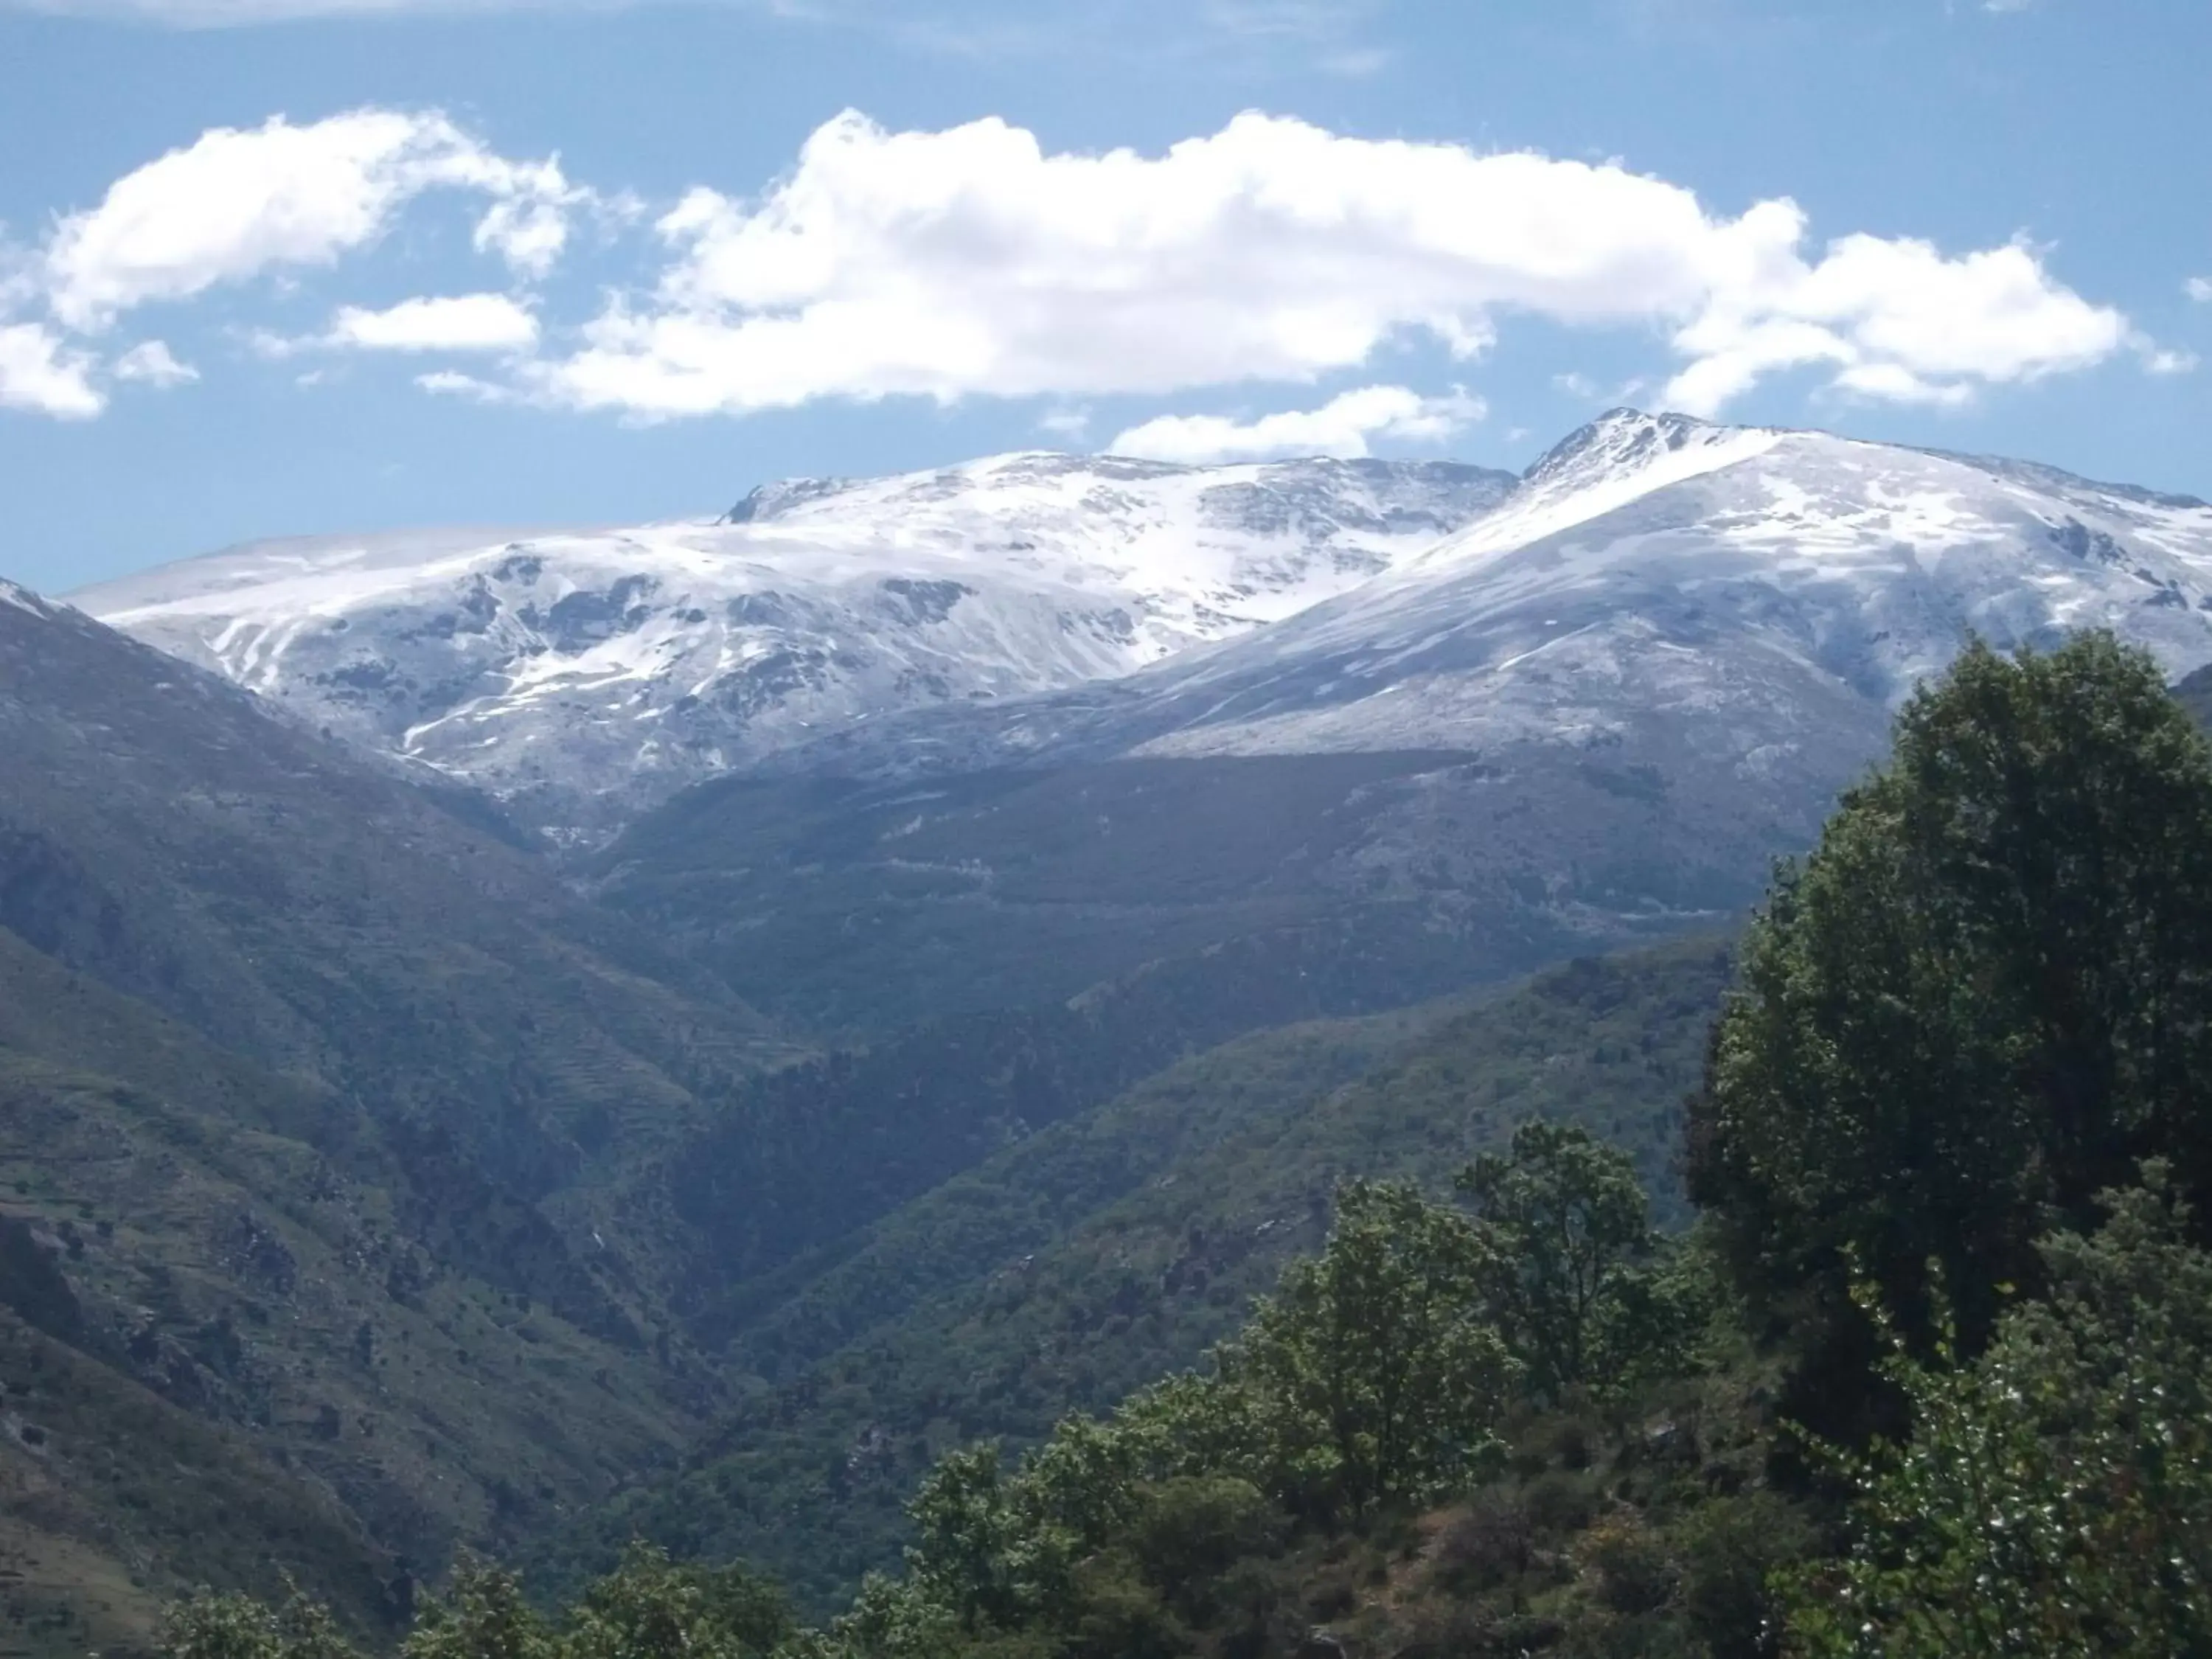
{"type": "Point", "coordinates": [2057, 1496]}
{"type": "Point", "coordinates": [337, 1123]}
{"type": "Point", "coordinates": [648, 1608]}
{"type": "Point", "coordinates": [228, 1338]}
{"type": "Point", "coordinates": [1982, 1000]}
{"type": "Point", "coordinates": [1082, 1262]}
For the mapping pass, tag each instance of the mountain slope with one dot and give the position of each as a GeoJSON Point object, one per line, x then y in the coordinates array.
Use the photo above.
{"type": "Point", "coordinates": [1650, 572]}
{"type": "Point", "coordinates": [323, 1112]}
{"type": "Point", "coordinates": [322, 915]}
{"type": "Point", "coordinates": [239, 1333]}
{"type": "Point", "coordinates": [1606, 704]}
{"type": "Point", "coordinates": [581, 674]}
{"type": "Point", "coordinates": [1094, 1257]}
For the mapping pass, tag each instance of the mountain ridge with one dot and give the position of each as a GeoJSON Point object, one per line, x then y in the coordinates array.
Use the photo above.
{"type": "Point", "coordinates": [579, 675]}
{"type": "Point", "coordinates": [1806, 552]}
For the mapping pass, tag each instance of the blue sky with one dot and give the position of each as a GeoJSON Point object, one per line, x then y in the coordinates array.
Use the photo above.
{"type": "Point", "coordinates": [278, 266]}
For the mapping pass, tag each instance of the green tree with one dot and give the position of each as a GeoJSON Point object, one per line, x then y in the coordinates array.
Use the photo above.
{"type": "Point", "coordinates": [482, 1615]}
{"type": "Point", "coordinates": [1374, 1375]}
{"type": "Point", "coordinates": [2056, 1498]}
{"type": "Point", "coordinates": [649, 1608]}
{"type": "Point", "coordinates": [980, 1550]}
{"type": "Point", "coordinates": [235, 1626]}
{"type": "Point", "coordinates": [1563, 1230]}
{"type": "Point", "coordinates": [1983, 997]}
{"type": "Point", "coordinates": [210, 1626]}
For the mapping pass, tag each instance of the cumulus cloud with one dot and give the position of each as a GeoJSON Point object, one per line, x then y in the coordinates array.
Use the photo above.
{"type": "Point", "coordinates": [238, 202]}
{"type": "Point", "coordinates": [151, 362]}
{"type": "Point", "coordinates": [2199, 288]}
{"type": "Point", "coordinates": [39, 373]}
{"type": "Point", "coordinates": [461, 322]}
{"type": "Point", "coordinates": [1345, 426]}
{"type": "Point", "coordinates": [1899, 320]}
{"type": "Point", "coordinates": [972, 261]}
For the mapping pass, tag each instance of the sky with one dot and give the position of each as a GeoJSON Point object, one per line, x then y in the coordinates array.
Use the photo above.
{"type": "Point", "coordinates": [274, 267]}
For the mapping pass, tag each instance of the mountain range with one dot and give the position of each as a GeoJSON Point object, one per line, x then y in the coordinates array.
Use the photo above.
{"type": "Point", "coordinates": [484, 1017]}
{"type": "Point", "coordinates": [582, 674]}
{"type": "Point", "coordinates": [1602, 708]}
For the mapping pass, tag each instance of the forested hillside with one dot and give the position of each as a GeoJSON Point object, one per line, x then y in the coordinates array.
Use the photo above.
{"type": "Point", "coordinates": [1085, 1260]}
{"type": "Point", "coordinates": [239, 1333]}
{"type": "Point", "coordinates": [317, 1092]}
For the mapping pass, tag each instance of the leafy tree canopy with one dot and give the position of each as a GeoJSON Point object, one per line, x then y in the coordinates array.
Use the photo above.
{"type": "Point", "coordinates": [1982, 1000]}
{"type": "Point", "coordinates": [2055, 1497]}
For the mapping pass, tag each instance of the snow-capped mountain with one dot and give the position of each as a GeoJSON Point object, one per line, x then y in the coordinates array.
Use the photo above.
{"type": "Point", "coordinates": [1761, 594]}
{"type": "Point", "coordinates": [1597, 713]}
{"type": "Point", "coordinates": [583, 673]}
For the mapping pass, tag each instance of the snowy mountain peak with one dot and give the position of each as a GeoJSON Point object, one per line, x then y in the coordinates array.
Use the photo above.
{"type": "Point", "coordinates": [22, 599]}
{"type": "Point", "coordinates": [1621, 456]}
{"type": "Point", "coordinates": [1652, 579]}
{"type": "Point", "coordinates": [769, 501]}
{"type": "Point", "coordinates": [1622, 439]}
{"type": "Point", "coordinates": [1760, 600]}
{"type": "Point", "coordinates": [582, 673]}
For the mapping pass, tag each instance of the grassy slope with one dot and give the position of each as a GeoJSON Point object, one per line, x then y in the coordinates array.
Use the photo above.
{"type": "Point", "coordinates": [321, 914]}
{"type": "Point", "coordinates": [232, 1348]}
{"type": "Point", "coordinates": [1184, 1198]}
{"type": "Point", "coordinates": [322, 1105]}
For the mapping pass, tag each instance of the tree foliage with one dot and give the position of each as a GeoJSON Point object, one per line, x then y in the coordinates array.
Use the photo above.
{"type": "Point", "coordinates": [1564, 1238]}
{"type": "Point", "coordinates": [2055, 1497]}
{"type": "Point", "coordinates": [1982, 1000]}
{"type": "Point", "coordinates": [1372, 1374]}
{"type": "Point", "coordinates": [211, 1626]}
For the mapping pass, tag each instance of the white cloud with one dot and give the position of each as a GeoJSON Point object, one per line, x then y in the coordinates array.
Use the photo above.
{"type": "Point", "coordinates": [971, 262]}
{"type": "Point", "coordinates": [2199, 288]}
{"type": "Point", "coordinates": [237, 203]}
{"type": "Point", "coordinates": [1897, 320]}
{"type": "Point", "coordinates": [450, 383]}
{"type": "Point", "coordinates": [529, 230]}
{"type": "Point", "coordinates": [152, 362]}
{"type": "Point", "coordinates": [1581, 388]}
{"type": "Point", "coordinates": [461, 322]}
{"type": "Point", "coordinates": [2158, 361]}
{"type": "Point", "coordinates": [39, 373]}
{"type": "Point", "coordinates": [1071, 424]}
{"type": "Point", "coordinates": [1893, 383]}
{"type": "Point", "coordinates": [1345, 426]}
